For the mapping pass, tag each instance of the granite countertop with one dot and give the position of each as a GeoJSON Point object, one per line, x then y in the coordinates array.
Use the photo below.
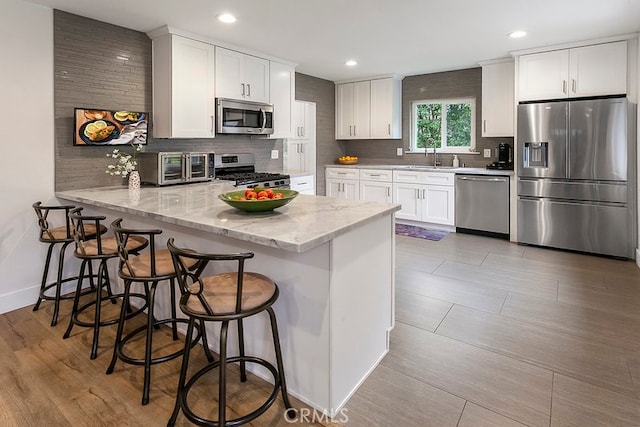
{"type": "Point", "coordinates": [442, 169]}
{"type": "Point", "coordinates": [303, 224]}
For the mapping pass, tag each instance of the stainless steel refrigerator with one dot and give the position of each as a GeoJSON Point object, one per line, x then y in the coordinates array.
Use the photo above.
{"type": "Point", "coordinates": [577, 175]}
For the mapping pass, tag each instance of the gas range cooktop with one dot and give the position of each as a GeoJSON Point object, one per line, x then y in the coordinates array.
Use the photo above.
{"type": "Point", "coordinates": [241, 169]}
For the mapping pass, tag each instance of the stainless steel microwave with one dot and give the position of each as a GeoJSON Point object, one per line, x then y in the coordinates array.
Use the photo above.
{"type": "Point", "coordinates": [165, 168]}
{"type": "Point", "coordinates": [244, 117]}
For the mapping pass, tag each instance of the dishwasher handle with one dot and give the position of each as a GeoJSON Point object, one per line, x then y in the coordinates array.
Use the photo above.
{"type": "Point", "coordinates": [483, 179]}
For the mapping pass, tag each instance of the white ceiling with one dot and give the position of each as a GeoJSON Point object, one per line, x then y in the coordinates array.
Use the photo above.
{"type": "Point", "coordinates": [405, 37]}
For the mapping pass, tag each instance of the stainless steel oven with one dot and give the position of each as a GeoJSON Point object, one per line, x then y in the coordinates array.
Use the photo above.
{"type": "Point", "coordinates": [244, 117]}
{"type": "Point", "coordinates": [166, 168]}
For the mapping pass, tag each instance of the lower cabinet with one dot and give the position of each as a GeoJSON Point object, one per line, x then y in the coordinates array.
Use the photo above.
{"type": "Point", "coordinates": [429, 197]}
{"type": "Point", "coordinates": [304, 184]}
{"type": "Point", "coordinates": [343, 183]}
{"type": "Point", "coordinates": [376, 185]}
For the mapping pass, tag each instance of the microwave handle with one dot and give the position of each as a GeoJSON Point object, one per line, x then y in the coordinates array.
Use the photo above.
{"type": "Point", "coordinates": [264, 120]}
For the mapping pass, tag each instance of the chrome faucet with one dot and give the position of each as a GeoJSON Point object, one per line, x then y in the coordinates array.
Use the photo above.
{"type": "Point", "coordinates": [432, 143]}
{"type": "Point", "coordinates": [435, 156]}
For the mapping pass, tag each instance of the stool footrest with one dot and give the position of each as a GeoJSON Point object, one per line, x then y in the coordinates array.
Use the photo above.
{"type": "Point", "coordinates": [191, 416]}
{"type": "Point", "coordinates": [114, 321]}
{"type": "Point", "coordinates": [154, 360]}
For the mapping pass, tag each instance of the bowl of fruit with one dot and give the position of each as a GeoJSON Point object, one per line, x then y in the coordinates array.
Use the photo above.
{"type": "Point", "coordinates": [258, 199]}
{"type": "Point", "coordinates": [348, 160]}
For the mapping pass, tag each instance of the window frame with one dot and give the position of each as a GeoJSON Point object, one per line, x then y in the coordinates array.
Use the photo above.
{"type": "Point", "coordinates": [444, 148]}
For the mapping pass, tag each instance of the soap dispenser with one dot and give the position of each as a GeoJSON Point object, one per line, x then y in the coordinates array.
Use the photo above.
{"type": "Point", "coordinates": [456, 162]}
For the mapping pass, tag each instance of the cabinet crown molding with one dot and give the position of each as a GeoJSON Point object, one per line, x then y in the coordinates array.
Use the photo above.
{"type": "Point", "coordinates": [364, 79]}
{"type": "Point", "coordinates": [166, 29]}
{"type": "Point", "coordinates": [590, 42]}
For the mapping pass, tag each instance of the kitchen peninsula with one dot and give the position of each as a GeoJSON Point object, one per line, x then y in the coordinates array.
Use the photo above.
{"type": "Point", "coordinates": [332, 259]}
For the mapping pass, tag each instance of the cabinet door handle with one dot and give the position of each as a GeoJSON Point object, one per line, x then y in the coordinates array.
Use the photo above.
{"type": "Point", "coordinates": [375, 174]}
{"type": "Point", "coordinates": [573, 85]}
{"type": "Point", "coordinates": [417, 193]}
{"type": "Point", "coordinates": [302, 130]}
{"type": "Point", "coordinates": [484, 125]}
{"type": "Point", "coordinates": [424, 193]}
{"type": "Point", "coordinates": [302, 148]}
{"type": "Point", "coordinates": [564, 86]}
{"type": "Point", "coordinates": [389, 129]}
{"type": "Point", "coordinates": [354, 131]}
{"type": "Point", "coordinates": [213, 125]}
{"type": "Point", "coordinates": [248, 89]}
{"type": "Point", "coordinates": [388, 191]}
{"type": "Point", "coordinates": [242, 84]}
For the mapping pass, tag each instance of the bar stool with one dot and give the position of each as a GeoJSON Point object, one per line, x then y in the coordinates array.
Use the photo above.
{"type": "Point", "coordinates": [53, 236]}
{"type": "Point", "coordinates": [153, 266]}
{"type": "Point", "coordinates": [100, 249]}
{"type": "Point", "coordinates": [223, 298]}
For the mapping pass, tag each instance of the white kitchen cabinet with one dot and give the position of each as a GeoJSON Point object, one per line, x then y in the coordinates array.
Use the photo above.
{"type": "Point", "coordinates": [376, 185]}
{"type": "Point", "coordinates": [183, 88]}
{"type": "Point", "coordinates": [425, 196]}
{"type": "Point", "coordinates": [300, 152]}
{"type": "Point", "coordinates": [241, 76]}
{"type": "Point", "coordinates": [282, 89]}
{"type": "Point", "coordinates": [497, 98]}
{"type": "Point", "coordinates": [301, 120]}
{"type": "Point", "coordinates": [303, 184]}
{"type": "Point", "coordinates": [386, 108]}
{"type": "Point", "coordinates": [568, 73]}
{"type": "Point", "coordinates": [353, 110]}
{"type": "Point", "coordinates": [343, 183]}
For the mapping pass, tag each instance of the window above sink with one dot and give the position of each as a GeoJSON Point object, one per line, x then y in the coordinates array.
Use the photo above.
{"type": "Point", "coordinates": [446, 124]}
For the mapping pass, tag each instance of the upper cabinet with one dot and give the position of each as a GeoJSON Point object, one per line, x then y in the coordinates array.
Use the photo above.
{"type": "Point", "coordinates": [386, 109]}
{"type": "Point", "coordinates": [301, 120]}
{"type": "Point", "coordinates": [183, 88]}
{"type": "Point", "coordinates": [370, 109]}
{"type": "Point", "coordinates": [241, 76]}
{"type": "Point", "coordinates": [353, 110]}
{"type": "Point", "coordinates": [282, 87]}
{"type": "Point", "coordinates": [594, 70]}
{"type": "Point", "coordinates": [497, 98]}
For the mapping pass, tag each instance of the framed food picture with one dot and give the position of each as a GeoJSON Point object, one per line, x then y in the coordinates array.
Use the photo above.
{"type": "Point", "coordinates": [104, 127]}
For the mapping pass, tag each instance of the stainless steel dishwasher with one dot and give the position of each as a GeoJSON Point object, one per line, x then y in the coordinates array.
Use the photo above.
{"type": "Point", "coordinates": [482, 205]}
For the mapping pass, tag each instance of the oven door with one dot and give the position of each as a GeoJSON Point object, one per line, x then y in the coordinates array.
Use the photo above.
{"type": "Point", "coordinates": [198, 166]}
{"type": "Point", "coordinates": [242, 117]}
{"type": "Point", "coordinates": [172, 168]}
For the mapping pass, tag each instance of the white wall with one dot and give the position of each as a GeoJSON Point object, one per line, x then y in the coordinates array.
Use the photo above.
{"type": "Point", "coordinates": [27, 172]}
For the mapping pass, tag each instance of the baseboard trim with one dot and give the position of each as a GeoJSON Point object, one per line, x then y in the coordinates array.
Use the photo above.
{"type": "Point", "coordinates": [18, 299]}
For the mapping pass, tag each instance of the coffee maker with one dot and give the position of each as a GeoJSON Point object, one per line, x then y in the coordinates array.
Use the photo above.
{"type": "Point", "coordinates": [505, 158]}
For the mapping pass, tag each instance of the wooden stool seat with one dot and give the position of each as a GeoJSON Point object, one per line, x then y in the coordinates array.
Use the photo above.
{"type": "Point", "coordinates": [139, 267]}
{"type": "Point", "coordinates": [221, 293]}
{"type": "Point", "coordinates": [109, 247]}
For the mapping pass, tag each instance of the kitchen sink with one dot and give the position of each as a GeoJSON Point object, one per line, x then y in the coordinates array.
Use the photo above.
{"type": "Point", "coordinates": [424, 167]}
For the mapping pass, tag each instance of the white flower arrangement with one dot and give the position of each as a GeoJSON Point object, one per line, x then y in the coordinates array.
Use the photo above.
{"type": "Point", "coordinates": [124, 163]}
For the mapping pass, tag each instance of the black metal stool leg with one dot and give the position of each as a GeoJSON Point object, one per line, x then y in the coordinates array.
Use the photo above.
{"type": "Point", "coordinates": [107, 281]}
{"type": "Point", "coordinates": [45, 274]}
{"type": "Point", "coordinates": [205, 342]}
{"type": "Point", "coordinates": [76, 300]}
{"type": "Point", "coordinates": [183, 372]}
{"type": "Point", "coordinates": [123, 314]}
{"type": "Point", "coordinates": [174, 324]}
{"type": "Point", "coordinates": [243, 368]}
{"type": "Point", "coordinates": [56, 307]}
{"type": "Point", "coordinates": [222, 382]}
{"type": "Point", "coordinates": [98, 311]}
{"type": "Point", "coordinates": [276, 345]}
{"type": "Point", "coordinates": [148, 347]}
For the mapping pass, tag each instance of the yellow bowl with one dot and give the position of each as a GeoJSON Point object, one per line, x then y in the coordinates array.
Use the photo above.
{"type": "Point", "coordinates": [347, 162]}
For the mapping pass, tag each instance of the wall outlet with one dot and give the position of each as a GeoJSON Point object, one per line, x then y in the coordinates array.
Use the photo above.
{"type": "Point", "coordinates": [487, 152]}
{"type": "Point", "coordinates": [399, 151]}
{"type": "Point", "coordinates": [275, 154]}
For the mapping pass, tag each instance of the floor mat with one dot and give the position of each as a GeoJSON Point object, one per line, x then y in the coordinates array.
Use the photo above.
{"type": "Point", "coordinates": [421, 232]}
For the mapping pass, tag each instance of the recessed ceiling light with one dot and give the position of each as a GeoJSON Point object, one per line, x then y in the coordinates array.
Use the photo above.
{"type": "Point", "coordinates": [227, 18]}
{"type": "Point", "coordinates": [351, 63]}
{"type": "Point", "coordinates": [517, 34]}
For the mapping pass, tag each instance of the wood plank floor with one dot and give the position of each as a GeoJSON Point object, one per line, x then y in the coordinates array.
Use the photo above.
{"type": "Point", "coordinates": [488, 333]}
